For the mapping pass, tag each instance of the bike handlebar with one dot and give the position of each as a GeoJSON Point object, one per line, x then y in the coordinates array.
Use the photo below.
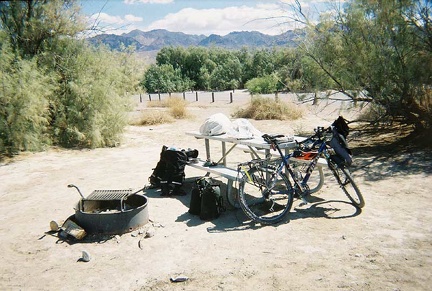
{"type": "Point", "coordinates": [319, 133]}
{"type": "Point", "coordinates": [271, 139]}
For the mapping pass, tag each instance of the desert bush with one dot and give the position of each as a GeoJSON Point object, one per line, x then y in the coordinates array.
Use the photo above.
{"type": "Point", "coordinates": [177, 107]}
{"type": "Point", "coordinates": [23, 103]}
{"type": "Point", "coordinates": [88, 105]}
{"type": "Point", "coordinates": [265, 108]}
{"type": "Point", "coordinates": [55, 88]}
{"type": "Point", "coordinates": [152, 117]}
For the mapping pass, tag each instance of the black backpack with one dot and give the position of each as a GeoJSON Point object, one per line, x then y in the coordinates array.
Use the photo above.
{"type": "Point", "coordinates": [206, 200]}
{"type": "Point", "coordinates": [169, 173]}
{"type": "Point", "coordinates": [159, 171]}
{"type": "Point", "coordinates": [171, 166]}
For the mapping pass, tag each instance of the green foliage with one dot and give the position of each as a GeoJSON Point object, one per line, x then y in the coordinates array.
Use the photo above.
{"type": "Point", "coordinates": [56, 89]}
{"type": "Point", "coordinates": [263, 85]}
{"type": "Point", "coordinates": [226, 75]}
{"type": "Point", "coordinates": [88, 107]}
{"type": "Point", "coordinates": [383, 50]}
{"type": "Point", "coordinates": [216, 68]}
{"type": "Point", "coordinates": [23, 104]}
{"type": "Point", "coordinates": [35, 26]}
{"type": "Point", "coordinates": [264, 109]}
{"type": "Point", "coordinates": [165, 78]}
{"type": "Point", "coordinates": [262, 63]}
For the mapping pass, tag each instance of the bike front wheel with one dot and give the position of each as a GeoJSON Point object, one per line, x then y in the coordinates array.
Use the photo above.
{"type": "Point", "coordinates": [264, 195]}
{"type": "Point", "coordinates": [349, 187]}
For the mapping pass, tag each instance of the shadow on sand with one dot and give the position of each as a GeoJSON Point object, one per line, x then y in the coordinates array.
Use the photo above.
{"type": "Point", "coordinates": [233, 219]}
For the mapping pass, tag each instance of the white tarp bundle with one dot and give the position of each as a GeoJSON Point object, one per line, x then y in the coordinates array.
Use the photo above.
{"type": "Point", "coordinates": [219, 123]}
{"type": "Point", "coordinates": [216, 124]}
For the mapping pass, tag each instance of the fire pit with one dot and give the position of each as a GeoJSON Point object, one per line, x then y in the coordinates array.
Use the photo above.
{"type": "Point", "coordinates": [111, 211]}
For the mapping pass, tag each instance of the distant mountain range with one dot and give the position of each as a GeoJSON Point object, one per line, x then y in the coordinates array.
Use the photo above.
{"type": "Point", "coordinates": [154, 40]}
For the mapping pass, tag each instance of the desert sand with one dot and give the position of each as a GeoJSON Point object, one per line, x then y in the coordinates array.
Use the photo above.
{"type": "Point", "coordinates": [325, 245]}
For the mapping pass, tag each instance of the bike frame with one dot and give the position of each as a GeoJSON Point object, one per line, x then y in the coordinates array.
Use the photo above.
{"type": "Point", "coordinates": [302, 185]}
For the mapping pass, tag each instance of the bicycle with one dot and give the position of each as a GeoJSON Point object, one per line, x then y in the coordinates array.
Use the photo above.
{"type": "Point", "coordinates": [268, 187]}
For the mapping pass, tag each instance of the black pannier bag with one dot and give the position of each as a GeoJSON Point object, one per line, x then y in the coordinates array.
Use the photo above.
{"type": "Point", "coordinates": [169, 173]}
{"type": "Point", "coordinates": [341, 126]}
{"type": "Point", "coordinates": [196, 195]}
{"type": "Point", "coordinates": [206, 200]}
{"type": "Point", "coordinates": [339, 144]}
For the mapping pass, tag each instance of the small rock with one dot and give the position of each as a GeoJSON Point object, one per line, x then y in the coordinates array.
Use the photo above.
{"type": "Point", "coordinates": [179, 279]}
{"type": "Point", "coordinates": [150, 232]}
{"type": "Point", "coordinates": [55, 225]}
{"type": "Point", "coordinates": [85, 257]}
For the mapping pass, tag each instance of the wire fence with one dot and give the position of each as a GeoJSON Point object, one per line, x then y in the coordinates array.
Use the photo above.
{"type": "Point", "coordinates": [205, 96]}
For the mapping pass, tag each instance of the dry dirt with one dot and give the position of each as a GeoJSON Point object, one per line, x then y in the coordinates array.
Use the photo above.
{"type": "Point", "coordinates": [327, 245]}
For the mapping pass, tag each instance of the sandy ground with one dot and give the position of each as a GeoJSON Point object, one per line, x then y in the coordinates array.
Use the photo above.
{"type": "Point", "coordinates": [327, 245]}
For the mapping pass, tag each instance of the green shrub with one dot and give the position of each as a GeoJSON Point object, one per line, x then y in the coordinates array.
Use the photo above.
{"type": "Point", "coordinates": [89, 108]}
{"type": "Point", "coordinates": [55, 88]}
{"type": "Point", "coordinates": [23, 104]}
{"type": "Point", "coordinates": [262, 85]}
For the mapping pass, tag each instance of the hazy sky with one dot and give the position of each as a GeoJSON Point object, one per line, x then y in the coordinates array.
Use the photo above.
{"type": "Point", "coordinates": [201, 16]}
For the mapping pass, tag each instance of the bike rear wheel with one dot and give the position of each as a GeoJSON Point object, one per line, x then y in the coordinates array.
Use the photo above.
{"type": "Point", "coordinates": [316, 179]}
{"type": "Point", "coordinates": [349, 187]}
{"type": "Point", "coordinates": [264, 195]}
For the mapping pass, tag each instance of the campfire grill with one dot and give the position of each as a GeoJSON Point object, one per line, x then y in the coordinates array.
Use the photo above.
{"type": "Point", "coordinates": [109, 194]}
{"type": "Point", "coordinates": [111, 211]}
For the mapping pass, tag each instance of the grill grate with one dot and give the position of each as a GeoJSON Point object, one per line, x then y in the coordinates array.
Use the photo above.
{"type": "Point", "coordinates": [108, 194]}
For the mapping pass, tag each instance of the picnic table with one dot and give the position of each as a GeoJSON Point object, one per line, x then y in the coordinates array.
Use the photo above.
{"type": "Point", "coordinates": [257, 147]}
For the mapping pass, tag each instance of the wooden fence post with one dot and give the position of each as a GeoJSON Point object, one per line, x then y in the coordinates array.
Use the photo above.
{"type": "Point", "coordinates": [196, 96]}
{"type": "Point", "coordinates": [231, 97]}
{"type": "Point", "coordinates": [212, 97]}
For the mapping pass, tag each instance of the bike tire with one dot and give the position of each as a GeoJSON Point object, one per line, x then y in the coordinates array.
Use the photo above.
{"type": "Point", "coordinates": [348, 186]}
{"type": "Point", "coordinates": [261, 203]}
{"type": "Point", "coordinates": [316, 180]}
